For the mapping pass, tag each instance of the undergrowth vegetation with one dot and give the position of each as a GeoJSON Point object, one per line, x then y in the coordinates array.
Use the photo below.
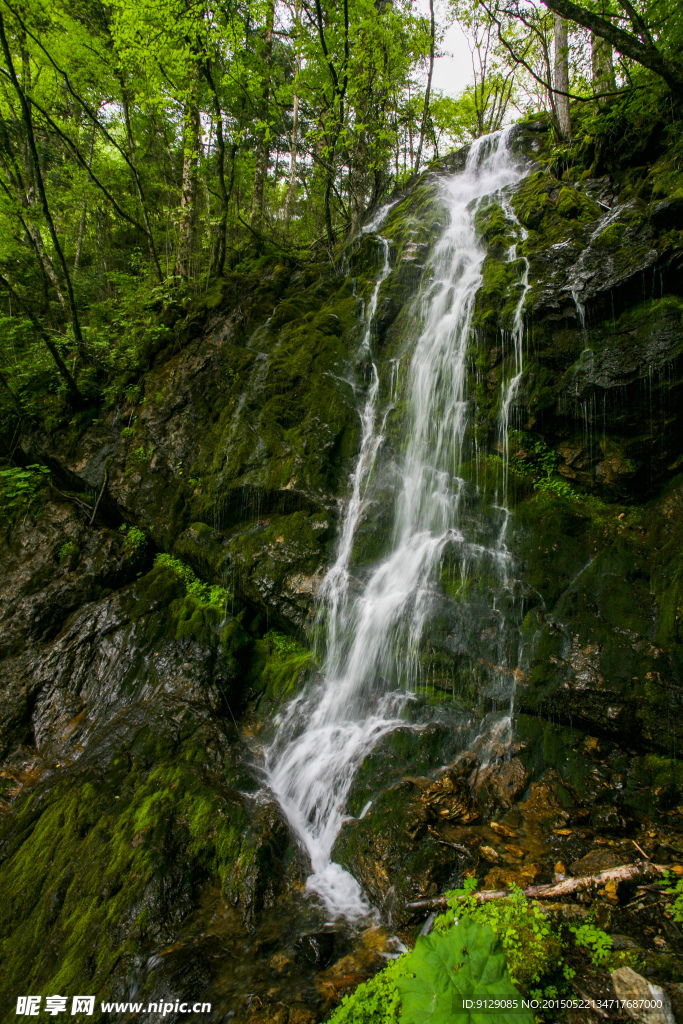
{"type": "Point", "coordinates": [502, 949]}
{"type": "Point", "coordinates": [19, 487]}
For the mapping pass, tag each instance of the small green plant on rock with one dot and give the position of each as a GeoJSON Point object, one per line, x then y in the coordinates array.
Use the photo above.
{"type": "Point", "coordinates": [203, 593]}
{"type": "Point", "coordinates": [553, 485]}
{"type": "Point", "coordinates": [676, 908]}
{"type": "Point", "coordinates": [376, 1001]}
{"type": "Point", "coordinates": [535, 459]}
{"type": "Point", "coordinates": [594, 939]}
{"type": "Point", "coordinates": [283, 643]}
{"type": "Point", "coordinates": [67, 550]}
{"type": "Point", "coordinates": [140, 457]}
{"type": "Point", "coordinates": [129, 431]}
{"type": "Point", "coordinates": [136, 540]}
{"type": "Point", "coordinates": [532, 456]}
{"type": "Point", "coordinates": [282, 662]}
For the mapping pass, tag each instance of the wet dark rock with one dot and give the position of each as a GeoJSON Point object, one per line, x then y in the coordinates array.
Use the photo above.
{"type": "Point", "coordinates": [319, 950]}
{"type": "Point", "coordinates": [595, 861]}
{"type": "Point", "coordinates": [497, 787]}
{"type": "Point", "coordinates": [395, 852]}
{"type": "Point", "coordinates": [259, 873]}
{"type": "Point", "coordinates": [449, 797]}
{"type": "Point", "coordinates": [612, 817]}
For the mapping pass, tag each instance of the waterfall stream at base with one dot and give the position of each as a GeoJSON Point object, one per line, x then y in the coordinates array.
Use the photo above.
{"type": "Point", "coordinates": [373, 631]}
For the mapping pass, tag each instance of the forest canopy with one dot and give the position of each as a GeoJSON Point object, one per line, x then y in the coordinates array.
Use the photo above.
{"type": "Point", "coordinates": [149, 146]}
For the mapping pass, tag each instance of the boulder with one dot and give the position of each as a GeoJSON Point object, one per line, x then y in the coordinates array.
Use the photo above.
{"type": "Point", "coordinates": [641, 1000]}
{"type": "Point", "coordinates": [497, 786]}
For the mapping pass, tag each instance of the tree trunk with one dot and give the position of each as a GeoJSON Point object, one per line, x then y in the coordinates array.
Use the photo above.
{"type": "Point", "coordinates": [561, 78]}
{"type": "Point", "coordinates": [219, 258]}
{"type": "Point", "coordinates": [189, 188]}
{"type": "Point", "coordinates": [291, 188]}
{"type": "Point", "coordinates": [425, 111]}
{"type": "Point", "coordinates": [48, 265]}
{"type": "Point", "coordinates": [329, 227]}
{"type": "Point", "coordinates": [72, 387]}
{"type": "Point", "coordinates": [638, 45]}
{"type": "Point", "coordinates": [35, 160]}
{"type": "Point", "coordinates": [138, 187]}
{"type": "Point", "coordinates": [604, 79]}
{"type": "Point", "coordinates": [263, 146]}
{"type": "Point", "coordinates": [638, 872]}
{"type": "Point", "coordinates": [84, 211]}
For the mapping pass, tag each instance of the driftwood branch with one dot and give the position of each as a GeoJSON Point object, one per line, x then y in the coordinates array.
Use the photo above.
{"type": "Point", "coordinates": [557, 890]}
{"type": "Point", "coordinates": [99, 497]}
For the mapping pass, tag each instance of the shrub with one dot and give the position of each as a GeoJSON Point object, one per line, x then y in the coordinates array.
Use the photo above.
{"type": "Point", "coordinates": [553, 485]}
{"type": "Point", "coordinates": [376, 1001]}
{"type": "Point", "coordinates": [283, 643]}
{"type": "Point", "coordinates": [598, 942]}
{"type": "Point", "coordinates": [532, 950]}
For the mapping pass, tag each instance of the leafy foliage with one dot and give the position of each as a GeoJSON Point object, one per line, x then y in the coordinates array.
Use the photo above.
{"type": "Point", "coordinates": [532, 950]}
{"type": "Point", "coordinates": [675, 890]}
{"type": "Point", "coordinates": [598, 941]}
{"type": "Point", "coordinates": [136, 539]}
{"type": "Point", "coordinates": [283, 643]}
{"type": "Point", "coordinates": [376, 1001]}
{"type": "Point", "coordinates": [67, 550]}
{"type": "Point", "coordinates": [555, 485]}
{"type": "Point", "coordinates": [677, 908]}
{"type": "Point", "coordinates": [459, 961]}
{"type": "Point", "coordinates": [533, 457]}
{"type": "Point", "coordinates": [465, 962]}
{"type": "Point", "coordinates": [18, 487]}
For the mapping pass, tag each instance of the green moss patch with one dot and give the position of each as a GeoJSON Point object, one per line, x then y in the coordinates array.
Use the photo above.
{"type": "Point", "coordinates": [97, 869]}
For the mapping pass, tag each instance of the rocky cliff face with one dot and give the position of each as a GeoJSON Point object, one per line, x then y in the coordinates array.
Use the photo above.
{"type": "Point", "coordinates": [139, 854]}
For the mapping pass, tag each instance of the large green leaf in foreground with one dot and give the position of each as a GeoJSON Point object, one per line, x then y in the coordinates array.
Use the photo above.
{"type": "Point", "coordinates": [465, 963]}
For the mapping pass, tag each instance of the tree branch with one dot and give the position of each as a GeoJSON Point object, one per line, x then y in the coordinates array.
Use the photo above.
{"type": "Point", "coordinates": [629, 45]}
{"type": "Point", "coordinates": [626, 873]}
{"type": "Point", "coordinates": [28, 125]}
{"type": "Point", "coordinates": [72, 387]}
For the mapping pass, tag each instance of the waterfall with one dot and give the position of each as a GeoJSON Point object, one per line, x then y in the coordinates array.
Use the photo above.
{"type": "Point", "coordinates": [373, 633]}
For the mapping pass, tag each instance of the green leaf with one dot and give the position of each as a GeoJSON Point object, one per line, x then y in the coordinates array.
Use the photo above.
{"type": "Point", "coordinates": [465, 963]}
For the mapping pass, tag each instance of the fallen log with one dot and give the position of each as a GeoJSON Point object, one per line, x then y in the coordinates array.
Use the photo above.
{"type": "Point", "coordinates": [640, 871]}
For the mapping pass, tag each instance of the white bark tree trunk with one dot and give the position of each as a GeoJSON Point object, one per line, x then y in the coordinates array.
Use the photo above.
{"type": "Point", "coordinates": [561, 77]}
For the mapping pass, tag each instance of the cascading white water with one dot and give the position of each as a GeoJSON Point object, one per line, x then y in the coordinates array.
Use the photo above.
{"type": "Point", "coordinates": [373, 635]}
